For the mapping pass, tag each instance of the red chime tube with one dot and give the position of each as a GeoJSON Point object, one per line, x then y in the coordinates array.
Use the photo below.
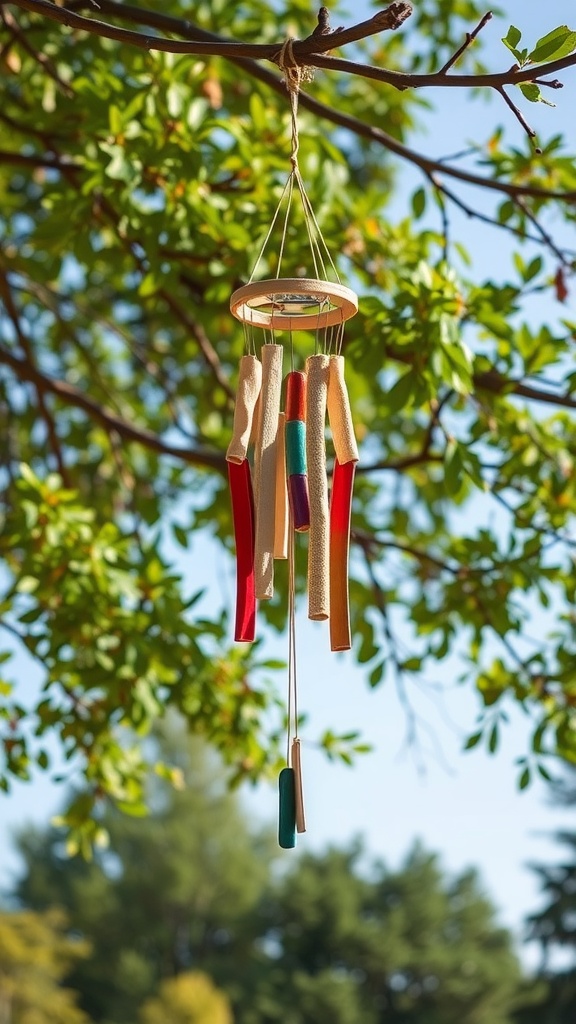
{"type": "Point", "coordinates": [319, 542]}
{"type": "Point", "coordinates": [346, 450]}
{"type": "Point", "coordinates": [240, 482]}
{"type": "Point", "coordinates": [241, 494]}
{"type": "Point", "coordinates": [340, 515]}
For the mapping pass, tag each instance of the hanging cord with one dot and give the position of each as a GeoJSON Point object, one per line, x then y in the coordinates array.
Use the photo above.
{"type": "Point", "coordinates": [294, 74]}
{"type": "Point", "coordinates": [271, 228]}
{"type": "Point", "coordinates": [292, 677]}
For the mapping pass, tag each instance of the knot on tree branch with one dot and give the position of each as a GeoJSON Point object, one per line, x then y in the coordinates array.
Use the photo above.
{"type": "Point", "coordinates": [394, 16]}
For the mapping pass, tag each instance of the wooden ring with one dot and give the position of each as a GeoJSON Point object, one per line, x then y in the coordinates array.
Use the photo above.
{"type": "Point", "coordinates": [281, 295]}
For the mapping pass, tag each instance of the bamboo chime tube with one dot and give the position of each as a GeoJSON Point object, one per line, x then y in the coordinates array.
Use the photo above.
{"type": "Point", "coordinates": [339, 413]}
{"type": "Point", "coordinates": [240, 482]}
{"type": "Point", "coordinates": [318, 547]}
{"type": "Point", "coordinates": [254, 434]}
{"type": "Point", "coordinates": [266, 452]}
{"type": "Point", "coordinates": [346, 450]}
{"type": "Point", "coordinates": [298, 790]}
{"type": "Point", "coordinates": [296, 450]}
{"type": "Point", "coordinates": [249, 384]}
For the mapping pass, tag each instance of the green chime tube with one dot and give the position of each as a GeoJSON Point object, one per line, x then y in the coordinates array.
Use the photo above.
{"type": "Point", "coordinates": [287, 809]}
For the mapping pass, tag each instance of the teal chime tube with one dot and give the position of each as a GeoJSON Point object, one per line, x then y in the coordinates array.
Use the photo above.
{"type": "Point", "coordinates": [287, 811]}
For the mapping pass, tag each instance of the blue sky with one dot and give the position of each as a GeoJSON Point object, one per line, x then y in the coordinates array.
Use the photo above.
{"type": "Point", "coordinates": [465, 806]}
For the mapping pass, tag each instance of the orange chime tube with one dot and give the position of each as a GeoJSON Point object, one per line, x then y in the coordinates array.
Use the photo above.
{"type": "Point", "coordinates": [266, 471]}
{"type": "Point", "coordinates": [346, 450]}
{"type": "Point", "coordinates": [318, 546]}
{"type": "Point", "coordinates": [240, 482]}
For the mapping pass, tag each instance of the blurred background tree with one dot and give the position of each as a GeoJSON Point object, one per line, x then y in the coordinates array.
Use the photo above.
{"type": "Point", "coordinates": [192, 892]}
{"type": "Point", "coordinates": [36, 955]}
{"type": "Point", "coordinates": [190, 998]}
{"type": "Point", "coordinates": [553, 926]}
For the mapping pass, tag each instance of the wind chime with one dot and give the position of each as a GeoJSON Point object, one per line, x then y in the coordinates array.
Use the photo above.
{"type": "Point", "coordinates": [283, 490]}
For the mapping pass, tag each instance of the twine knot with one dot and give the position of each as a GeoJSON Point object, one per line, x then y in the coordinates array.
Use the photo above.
{"type": "Point", "coordinates": [294, 73]}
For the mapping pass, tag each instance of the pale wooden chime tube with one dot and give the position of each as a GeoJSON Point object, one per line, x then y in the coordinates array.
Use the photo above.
{"type": "Point", "coordinates": [346, 450]}
{"type": "Point", "coordinates": [281, 518]}
{"type": "Point", "coordinates": [339, 413]}
{"type": "Point", "coordinates": [318, 547]}
{"type": "Point", "coordinates": [254, 435]}
{"type": "Point", "coordinates": [265, 464]}
{"type": "Point", "coordinates": [298, 791]}
{"type": "Point", "coordinates": [248, 392]}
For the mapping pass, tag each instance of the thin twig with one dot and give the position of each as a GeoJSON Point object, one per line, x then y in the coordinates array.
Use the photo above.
{"type": "Point", "coordinates": [519, 116]}
{"type": "Point", "coordinates": [542, 239]}
{"type": "Point", "coordinates": [544, 236]}
{"type": "Point", "coordinates": [46, 64]}
{"type": "Point", "coordinates": [470, 37]}
{"type": "Point", "coordinates": [398, 465]}
{"type": "Point", "coordinates": [381, 605]}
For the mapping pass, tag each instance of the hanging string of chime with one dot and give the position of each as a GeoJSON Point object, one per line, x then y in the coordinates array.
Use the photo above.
{"type": "Point", "coordinates": [284, 489]}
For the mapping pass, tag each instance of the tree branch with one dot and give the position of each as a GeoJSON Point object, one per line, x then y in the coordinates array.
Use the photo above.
{"type": "Point", "coordinates": [24, 342]}
{"type": "Point", "coordinates": [39, 160]}
{"type": "Point", "coordinates": [391, 18]}
{"type": "Point", "coordinates": [498, 384]}
{"type": "Point", "coordinates": [311, 50]}
{"type": "Point", "coordinates": [187, 29]}
{"type": "Point", "coordinates": [109, 420]}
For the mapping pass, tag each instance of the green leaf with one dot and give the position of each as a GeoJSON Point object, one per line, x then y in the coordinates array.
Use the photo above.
{"type": "Point", "coordinates": [473, 741]}
{"type": "Point", "coordinates": [453, 468]}
{"type": "Point", "coordinates": [511, 40]}
{"type": "Point", "coordinates": [512, 37]}
{"type": "Point", "coordinates": [531, 91]}
{"type": "Point", "coordinates": [400, 395]}
{"type": "Point", "coordinates": [525, 778]}
{"type": "Point", "coordinates": [493, 739]}
{"type": "Point", "coordinates": [419, 203]}
{"type": "Point", "coordinates": [376, 674]}
{"type": "Point", "coordinates": [556, 44]}
{"type": "Point", "coordinates": [181, 535]}
{"type": "Point", "coordinates": [544, 772]}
